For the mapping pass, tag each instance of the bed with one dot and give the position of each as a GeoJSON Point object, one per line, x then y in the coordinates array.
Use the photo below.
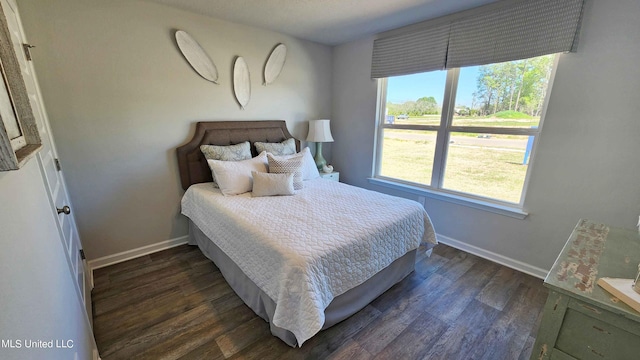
{"type": "Point", "coordinates": [303, 262]}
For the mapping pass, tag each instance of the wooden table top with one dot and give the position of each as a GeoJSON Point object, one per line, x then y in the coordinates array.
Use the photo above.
{"type": "Point", "coordinates": [596, 250]}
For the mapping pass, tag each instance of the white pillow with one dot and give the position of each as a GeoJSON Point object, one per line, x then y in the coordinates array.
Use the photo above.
{"type": "Point", "coordinates": [265, 184]}
{"type": "Point", "coordinates": [235, 152]}
{"type": "Point", "coordinates": [309, 168]}
{"type": "Point", "coordinates": [234, 177]}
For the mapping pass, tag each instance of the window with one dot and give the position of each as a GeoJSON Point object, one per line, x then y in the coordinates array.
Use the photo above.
{"type": "Point", "coordinates": [467, 131]}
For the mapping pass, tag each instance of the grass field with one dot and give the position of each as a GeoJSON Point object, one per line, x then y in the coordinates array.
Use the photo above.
{"type": "Point", "coordinates": [488, 171]}
{"type": "Point", "coordinates": [472, 121]}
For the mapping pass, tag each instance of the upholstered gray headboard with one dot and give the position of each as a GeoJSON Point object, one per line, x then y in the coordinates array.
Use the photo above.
{"type": "Point", "coordinates": [192, 164]}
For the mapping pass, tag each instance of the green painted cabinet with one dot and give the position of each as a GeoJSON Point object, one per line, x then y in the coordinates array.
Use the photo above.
{"type": "Point", "coordinates": [581, 320]}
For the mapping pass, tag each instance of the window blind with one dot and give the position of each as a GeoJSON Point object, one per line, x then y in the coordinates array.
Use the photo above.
{"type": "Point", "coordinates": [498, 32]}
{"type": "Point", "coordinates": [519, 31]}
{"type": "Point", "coordinates": [413, 52]}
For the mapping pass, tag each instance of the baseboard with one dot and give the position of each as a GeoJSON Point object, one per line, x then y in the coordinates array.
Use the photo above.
{"type": "Point", "coordinates": [149, 249]}
{"type": "Point", "coordinates": [134, 253]}
{"type": "Point", "coordinates": [497, 258]}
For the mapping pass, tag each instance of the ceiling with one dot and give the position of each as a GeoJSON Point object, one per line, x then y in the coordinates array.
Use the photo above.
{"type": "Point", "coordinates": [329, 22]}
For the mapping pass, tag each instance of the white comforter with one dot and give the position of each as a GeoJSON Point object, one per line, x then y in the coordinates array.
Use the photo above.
{"type": "Point", "coordinates": [306, 249]}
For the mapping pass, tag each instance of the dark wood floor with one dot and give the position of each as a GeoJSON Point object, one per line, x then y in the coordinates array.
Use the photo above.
{"type": "Point", "coordinates": [175, 304]}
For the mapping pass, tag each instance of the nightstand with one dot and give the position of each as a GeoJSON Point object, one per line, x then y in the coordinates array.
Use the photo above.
{"type": "Point", "coordinates": [333, 176]}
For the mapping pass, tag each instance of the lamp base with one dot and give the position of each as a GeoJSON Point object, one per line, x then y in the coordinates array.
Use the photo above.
{"type": "Point", "coordinates": [320, 161]}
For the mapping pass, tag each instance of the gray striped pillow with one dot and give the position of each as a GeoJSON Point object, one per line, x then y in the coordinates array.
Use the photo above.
{"type": "Point", "coordinates": [292, 165]}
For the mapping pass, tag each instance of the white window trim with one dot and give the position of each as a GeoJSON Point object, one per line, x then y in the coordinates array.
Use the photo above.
{"type": "Point", "coordinates": [467, 200]}
{"type": "Point", "coordinates": [435, 191]}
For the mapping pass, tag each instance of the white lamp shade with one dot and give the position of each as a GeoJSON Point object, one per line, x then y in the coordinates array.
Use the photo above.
{"type": "Point", "coordinates": [319, 131]}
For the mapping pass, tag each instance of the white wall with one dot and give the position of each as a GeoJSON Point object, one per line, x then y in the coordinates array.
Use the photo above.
{"type": "Point", "coordinates": [38, 300]}
{"type": "Point", "coordinates": [586, 165]}
{"type": "Point", "coordinates": [121, 98]}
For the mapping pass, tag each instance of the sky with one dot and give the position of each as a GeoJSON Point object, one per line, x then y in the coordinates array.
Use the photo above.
{"type": "Point", "coordinates": [413, 87]}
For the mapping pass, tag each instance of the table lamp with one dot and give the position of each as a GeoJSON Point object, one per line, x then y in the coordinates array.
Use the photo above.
{"type": "Point", "coordinates": [320, 132]}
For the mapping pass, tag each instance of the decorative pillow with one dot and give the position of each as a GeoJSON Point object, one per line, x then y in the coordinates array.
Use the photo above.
{"type": "Point", "coordinates": [265, 184]}
{"type": "Point", "coordinates": [286, 147]}
{"type": "Point", "coordinates": [234, 177]}
{"type": "Point", "coordinates": [292, 165]}
{"type": "Point", "coordinates": [309, 168]}
{"type": "Point", "coordinates": [235, 152]}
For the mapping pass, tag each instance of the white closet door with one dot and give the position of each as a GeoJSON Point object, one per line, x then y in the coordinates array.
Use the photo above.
{"type": "Point", "coordinates": [48, 161]}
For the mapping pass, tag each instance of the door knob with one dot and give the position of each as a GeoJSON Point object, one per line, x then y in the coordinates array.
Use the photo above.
{"type": "Point", "coordinates": [65, 209]}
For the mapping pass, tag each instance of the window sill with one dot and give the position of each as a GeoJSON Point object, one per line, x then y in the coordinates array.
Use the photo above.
{"type": "Point", "coordinates": [453, 198]}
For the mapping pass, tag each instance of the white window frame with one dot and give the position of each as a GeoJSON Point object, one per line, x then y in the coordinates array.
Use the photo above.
{"type": "Point", "coordinates": [435, 190]}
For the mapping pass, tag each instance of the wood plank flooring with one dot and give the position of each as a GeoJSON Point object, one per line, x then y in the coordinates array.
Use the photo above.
{"type": "Point", "coordinates": [175, 304]}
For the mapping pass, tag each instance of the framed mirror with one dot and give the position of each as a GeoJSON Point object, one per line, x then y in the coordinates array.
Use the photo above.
{"type": "Point", "coordinates": [19, 136]}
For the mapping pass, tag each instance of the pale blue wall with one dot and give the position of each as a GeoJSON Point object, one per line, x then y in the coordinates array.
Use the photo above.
{"type": "Point", "coordinates": [587, 160]}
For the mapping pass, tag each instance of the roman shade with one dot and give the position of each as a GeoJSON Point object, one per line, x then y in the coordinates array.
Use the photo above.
{"type": "Point", "coordinates": [413, 52]}
{"type": "Point", "coordinates": [498, 32]}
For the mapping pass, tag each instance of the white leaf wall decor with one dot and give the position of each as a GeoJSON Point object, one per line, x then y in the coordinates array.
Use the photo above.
{"type": "Point", "coordinates": [196, 56]}
{"type": "Point", "coordinates": [241, 82]}
{"type": "Point", "coordinates": [275, 63]}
